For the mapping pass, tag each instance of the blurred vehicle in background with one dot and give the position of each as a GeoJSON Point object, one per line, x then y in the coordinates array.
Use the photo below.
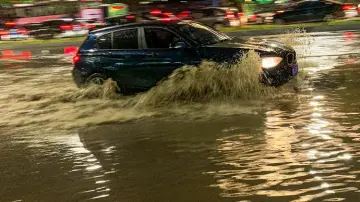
{"type": "Point", "coordinates": [216, 17]}
{"type": "Point", "coordinates": [310, 11]}
{"type": "Point", "coordinates": [259, 16]}
{"type": "Point", "coordinates": [350, 10]}
{"type": "Point", "coordinates": [158, 15]}
{"type": "Point", "coordinates": [59, 28]}
{"type": "Point", "coordinates": [38, 12]}
{"type": "Point", "coordinates": [11, 31]}
{"type": "Point", "coordinates": [90, 24]}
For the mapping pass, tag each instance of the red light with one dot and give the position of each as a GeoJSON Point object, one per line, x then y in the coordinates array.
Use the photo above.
{"type": "Point", "coordinates": [349, 34]}
{"type": "Point", "coordinates": [22, 31]}
{"type": "Point", "coordinates": [70, 49]}
{"type": "Point", "coordinates": [155, 12]}
{"type": "Point", "coordinates": [4, 32]}
{"type": "Point", "coordinates": [7, 53]}
{"type": "Point", "coordinates": [66, 27]}
{"type": "Point", "coordinates": [117, 7]}
{"type": "Point", "coordinates": [130, 17]}
{"type": "Point", "coordinates": [184, 14]}
{"type": "Point", "coordinates": [76, 58]}
{"type": "Point", "coordinates": [230, 15]}
{"type": "Point", "coordinates": [253, 18]}
{"type": "Point", "coordinates": [10, 24]}
{"type": "Point", "coordinates": [348, 6]}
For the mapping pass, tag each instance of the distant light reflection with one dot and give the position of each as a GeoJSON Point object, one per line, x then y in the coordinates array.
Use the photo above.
{"type": "Point", "coordinates": [84, 160]}
{"type": "Point", "coordinates": [325, 185]}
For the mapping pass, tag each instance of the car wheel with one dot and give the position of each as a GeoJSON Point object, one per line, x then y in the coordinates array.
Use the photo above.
{"type": "Point", "coordinates": [329, 18]}
{"type": "Point", "coordinates": [97, 79]}
{"type": "Point", "coordinates": [279, 22]}
{"type": "Point", "coordinates": [260, 20]}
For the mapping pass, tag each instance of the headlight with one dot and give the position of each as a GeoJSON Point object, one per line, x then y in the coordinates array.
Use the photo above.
{"type": "Point", "coordinates": [270, 62]}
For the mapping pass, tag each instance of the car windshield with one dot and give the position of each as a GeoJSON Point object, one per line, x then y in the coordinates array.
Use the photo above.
{"type": "Point", "coordinates": [202, 34]}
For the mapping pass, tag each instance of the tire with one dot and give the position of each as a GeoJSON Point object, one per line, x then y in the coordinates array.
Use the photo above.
{"type": "Point", "coordinates": [44, 36]}
{"type": "Point", "coordinates": [96, 78]}
{"type": "Point", "coordinates": [328, 18]}
{"type": "Point", "coordinates": [279, 21]}
{"type": "Point", "coordinates": [99, 79]}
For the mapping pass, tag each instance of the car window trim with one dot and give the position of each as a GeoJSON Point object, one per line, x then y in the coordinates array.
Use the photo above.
{"type": "Point", "coordinates": [144, 46]}
{"type": "Point", "coordinates": [112, 38]}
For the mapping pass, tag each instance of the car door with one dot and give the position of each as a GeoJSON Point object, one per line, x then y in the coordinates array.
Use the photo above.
{"type": "Point", "coordinates": [299, 13]}
{"type": "Point", "coordinates": [161, 55]}
{"type": "Point", "coordinates": [121, 59]}
{"type": "Point", "coordinates": [318, 11]}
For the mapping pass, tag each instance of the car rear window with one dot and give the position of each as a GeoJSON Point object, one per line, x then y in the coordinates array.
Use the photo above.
{"type": "Point", "coordinates": [104, 41]}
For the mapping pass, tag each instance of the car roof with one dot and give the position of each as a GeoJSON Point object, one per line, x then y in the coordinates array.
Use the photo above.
{"type": "Point", "coordinates": [140, 24]}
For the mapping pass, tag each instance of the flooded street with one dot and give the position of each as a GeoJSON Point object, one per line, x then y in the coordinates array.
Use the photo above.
{"type": "Point", "coordinates": [59, 143]}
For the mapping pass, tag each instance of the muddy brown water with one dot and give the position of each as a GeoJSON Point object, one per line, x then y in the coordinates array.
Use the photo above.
{"type": "Point", "coordinates": [58, 145]}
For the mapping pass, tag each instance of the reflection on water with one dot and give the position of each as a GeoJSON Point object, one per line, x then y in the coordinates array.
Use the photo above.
{"type": "Point", "coordinates": [303, 147]}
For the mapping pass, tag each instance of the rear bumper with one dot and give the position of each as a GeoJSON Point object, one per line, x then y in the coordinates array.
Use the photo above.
{"type": "Point", "coordinates": [79, 77]}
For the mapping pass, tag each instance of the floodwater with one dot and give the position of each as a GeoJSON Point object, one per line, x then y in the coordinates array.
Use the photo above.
{"type": "Point", "coordinates": [62, 144]}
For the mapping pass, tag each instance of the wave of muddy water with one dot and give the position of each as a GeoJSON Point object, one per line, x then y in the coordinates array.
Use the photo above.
{"type": "Point", "coordinates": [46, 98]}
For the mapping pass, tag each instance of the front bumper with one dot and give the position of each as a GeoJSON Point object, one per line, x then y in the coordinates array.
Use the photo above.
{"type": "Point", "coordinates": [280, 75]}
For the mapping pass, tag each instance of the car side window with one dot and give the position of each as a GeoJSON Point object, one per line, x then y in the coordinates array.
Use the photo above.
{"type": "Point", "coordinates": [126, 39]}
{"type": "Point", "coordinates": [209, 12]}
{"type": "Point", "coordinates": [219, 12]}
{"type": "Point", "coordinates": [304, 5]}
{"type": "Point", "coordinates": [159, 38]}
{"type": "Point", "coordinates": [318, 4]}
{"type": "Point", "coordinates": [197, 14]}
{"type": "Point", "coordinates": [104, 41]}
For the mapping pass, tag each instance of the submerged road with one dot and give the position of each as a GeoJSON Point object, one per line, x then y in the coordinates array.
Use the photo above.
{"type": "Point", "coordinates": [62, 144]}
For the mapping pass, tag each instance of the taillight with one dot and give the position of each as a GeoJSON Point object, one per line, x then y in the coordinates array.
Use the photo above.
{"type": "Point", "coordinates": [4, 32]}
{"type": "Point", "coordinates": [76, 58]}
{"type": "Point", "coordinates": [183, 14]}
{"type": "Point", "coordinates": [348, 6]}
{"type": "Point", "coordinates": [66, 27]}
{"type": "Point", "coordinates": [230, 14]}
{"type": "Point", "coordinates": [129, 17]}
{"type": "Point", "coordinates": [241, 15]}
{"type": "Point", "coordinates": [155, 12]}
{"type": "Point", "coordinates": [10, 24]}
{"type": "Point", "coordinates": [91, 26]}
{"type": "Point", "coordinates": [253, 17]}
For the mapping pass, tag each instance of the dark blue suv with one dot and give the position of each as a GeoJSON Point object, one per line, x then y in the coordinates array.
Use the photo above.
{"type": "Point", "coordinates": [138, 56]}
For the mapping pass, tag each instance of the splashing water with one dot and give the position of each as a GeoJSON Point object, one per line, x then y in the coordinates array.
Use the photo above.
{"type": "Point", "coordinates": [48, 99]}
{"type": "Point", "coordinates": [303, 41]}
{"type": "Point", "coordinates": [210, 82]}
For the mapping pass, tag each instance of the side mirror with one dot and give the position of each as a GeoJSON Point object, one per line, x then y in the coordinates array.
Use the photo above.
{"type": "Point", "coordinates": [179, 44]}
